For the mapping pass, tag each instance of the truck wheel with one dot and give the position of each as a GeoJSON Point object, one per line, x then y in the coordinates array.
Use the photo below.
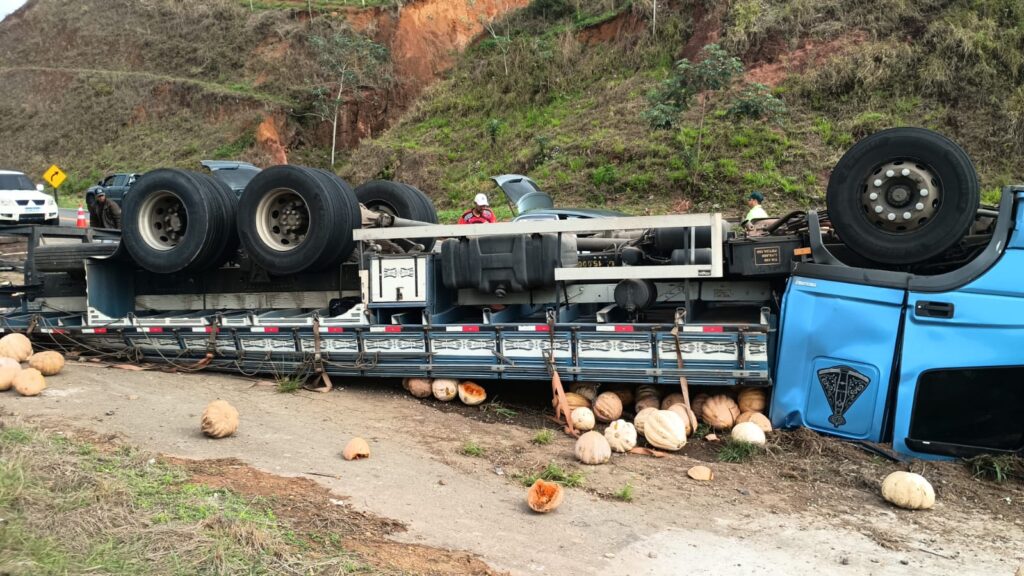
{"type": "Point", "coordinates": [229, 205]}
{"type": "Point", "coordinates": [173, 222]}
{"type": "Point", "coordinates": [293, 219]}
{"type": "Point", "coordinates": [69, 257]}
{"type": "Point", "coordinates": [400, 200]}
{"type": "Point", "coordinates": [902, 196]}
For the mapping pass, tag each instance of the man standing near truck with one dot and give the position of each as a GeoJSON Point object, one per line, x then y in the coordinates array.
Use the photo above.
{"type": "Point", "coordinates": [480, 213]}
{"type": "Point", "coordinates": [104, 213]}
{"type": "Point", "coordinates": [756, 211]}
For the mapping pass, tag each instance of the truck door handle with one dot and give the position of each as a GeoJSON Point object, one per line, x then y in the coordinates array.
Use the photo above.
{"type": "Point", "coordinates": [933, 309]}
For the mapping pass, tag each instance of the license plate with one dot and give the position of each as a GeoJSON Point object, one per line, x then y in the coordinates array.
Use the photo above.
{"type": "Point", "coordinates": [32, 208]}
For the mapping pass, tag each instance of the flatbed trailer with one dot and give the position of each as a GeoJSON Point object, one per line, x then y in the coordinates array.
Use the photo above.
{"type": "Point", "coordinates": [879, 354]}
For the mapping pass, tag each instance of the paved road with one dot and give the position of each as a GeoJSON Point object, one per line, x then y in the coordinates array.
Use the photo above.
{"type": "Point", "coordinates": [69, 216]}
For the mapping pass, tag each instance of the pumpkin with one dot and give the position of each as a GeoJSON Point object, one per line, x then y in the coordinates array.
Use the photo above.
{"type": "Point", "coordinates": [29, 382]}
{"type": "Point", "coordinates": [645, 402]}
{"type": "Point", "coordinates": [49, 363]}
{"type": "Point", "coordinates": [356, 449]}
{"type": "Point", "coordinates": [665, 429]}
{"type": "Point", "coordinates": [702, 473]}
{"type": "Point", "coordinates": [697, 404]}
{"type": "Point", "coordinates": [219, 420]}
{"type": "Point", "coordinates": [641, 418]}
{"type": "Point", "coordinates": [607, 407]}
{"type": "Point", "coordinates": [752, 400]}
{"type": "Point", "coordinates": [588, 391]}
{"type": "Point", "coordinates": [418, 387]}
{"type": "Point", "coordinates": [757, 418]}
{"type": "Point", "coordinates": [472, 393]}
{"type": "Point", "coordinates": [573, 399]}
{"type": "Point", "coordinates": [444, 389]}
{"type": "Point", "coordinates": [748, 432]}
{"type": "Point", "coordinates": [689, 418]}
{"type": "Point", "coordinates": [720, 412]}
{"type": "Point", "coordinates": [543, 497]}
{"type": "Point", "coordinates": [16, 346]}
{"type": "Point", "coordinates": [648, 390]}
{"type": "Point", "coordinates": [908, 490]}
{"type": "Point", "coordinates": [582, 418]}
{"type": "Point", "coordinates": [625, 395]}
{"type": "Point", "coordinates": [9, 368]}
{"type": "Point", "coordinates": [592, 448]}
{"type": "Point", "coordinates": [621, 436]}
{"type": "Point", "coordinates": [671, 400]}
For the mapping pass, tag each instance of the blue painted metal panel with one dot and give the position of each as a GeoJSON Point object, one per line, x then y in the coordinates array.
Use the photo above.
{"type": "Point", "coordinates": [986, 330]}
{"type": "Point", "coordinates": [467, 352]}
{"type": "Point", "coordinates": [835, 357]}
{"type": "Point", "coordinates": [604, 355]}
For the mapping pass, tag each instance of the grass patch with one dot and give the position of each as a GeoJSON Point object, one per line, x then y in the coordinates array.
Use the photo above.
{"type": "Point", "coordinates": [471, 448]}
{"type": "Point", "coordinates": [997, 469]}
{"type": "Point", "coordinates": [71, 507]}
{"type": "Point", "coordinates": [543, 437]}
{"type": "Point", "coordinates": [736, 451]}
{"type": "Point", "coordinates": [554, 473]}
{"type": "Point", "coordinates": [289, 384]}
{"type": "Point", "coordinates": [500, 409]}
{"type": "Point", "coordinates": [626, 493]}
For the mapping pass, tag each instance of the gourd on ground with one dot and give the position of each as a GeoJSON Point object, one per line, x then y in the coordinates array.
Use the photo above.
{"type": "Point", "coordinates": [592, 448]}
{"type": "Point", "coordinates": [16, 346]}
{"type": "Point", "coordinates": [29, 382]}
{"type": "Point", "coordinates": [757, 418]}
{"type": "Point", "coordinates": [607, 407]}
{"type": "Point", "coordinates": [752, 400]}
{"type": "Point", "coordinates": [9, 368]}
{"type": "Point", "coordinates": [219, 419]}
{"type": "Point", "coordinates": [748, 432]}
{"type": "Point", "coordinates": [621, 436]}
{"type": "Point", "coordinates": [543, 497]}
{"type": "Point", "coordinates": [720, 412]}
{"type": "Point", "coordinates": [444, 389]}
{"type": "Point", "coordinates": [665, 429]}
{"type": "Point", "coordinates": [582, 419]}
{"type": "Point", "coordinates": [641, 418]}
{"type": "Point", "coordinates": [356, 449]}
{"type": "Point", "coordinates": [418, 387]}
{"type": "Point", "coordinates": [49, 362]}
{"type": "Point", "coordinates": [908, 490]}
{"type": "Point", "coordinates": [472, 393]}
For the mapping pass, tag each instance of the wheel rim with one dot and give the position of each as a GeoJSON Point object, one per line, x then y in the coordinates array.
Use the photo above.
{"type": "Point", "coordinates": [901, 196]}
{"type": "Point", "coordinates": [381, 206]}
{"type": "Point", "coordinates": [163, 220]}
{"type": "Point", "coordinates": [282, 219]}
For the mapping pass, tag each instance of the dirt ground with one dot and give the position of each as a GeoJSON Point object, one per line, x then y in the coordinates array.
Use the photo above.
{"type": "Point", "coordinates": [810, 505]}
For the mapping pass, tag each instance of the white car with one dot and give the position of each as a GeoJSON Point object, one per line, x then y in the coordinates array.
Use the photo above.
{"type": "Point", "coordinates": [22, 202]}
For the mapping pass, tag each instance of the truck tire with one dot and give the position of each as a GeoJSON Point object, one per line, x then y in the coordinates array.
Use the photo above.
{"type": "Point", "coordinates": [229, 206]}
{"type": "Point", "coordinates": [175, 221]}
{"type": "Point", "coordinates": [70, 257]}
{"type": "Point", "coordinates": [902, 196]}
{"type": "Point", "coordinates": [400, 200]}
{"type": "Point", "coordinates": [293, 219]}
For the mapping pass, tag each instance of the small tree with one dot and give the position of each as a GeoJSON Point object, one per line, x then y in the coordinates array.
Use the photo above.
{"type": "Point", "coordinates": [349, 64]}
{"type": "Point", "coordinates": [757, 101]}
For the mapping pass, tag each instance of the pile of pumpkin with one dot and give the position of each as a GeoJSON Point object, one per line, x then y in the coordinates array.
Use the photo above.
{"type": "Point", "coordinates": [446, 389]}
{"type": "Point", "coordinates": [31, 381]}
{"type": "Point", "coordinates": [665, 422]}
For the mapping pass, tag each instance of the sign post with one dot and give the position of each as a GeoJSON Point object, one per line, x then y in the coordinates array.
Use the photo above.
{"type": "Point", "coordinates": [55, 177]}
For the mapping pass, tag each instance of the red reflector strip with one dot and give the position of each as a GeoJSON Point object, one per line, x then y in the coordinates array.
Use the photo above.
{"type": "Point", "coordinates": [535, 328]}
{"type": "Point", "coordinates": [623, 328]}
{"type": "Point", "coordinates": [153, 330]}
{"type": "Point", "coordinates": [714, 329]}
{"type": "Point", "coordinates": [392, 328]}
{"type": "Point", "coordinates": [94, 330]}
{"type": "Point", "coordinates": [335, 329]}
{"type": "Point", "coordinates": [462, 329]}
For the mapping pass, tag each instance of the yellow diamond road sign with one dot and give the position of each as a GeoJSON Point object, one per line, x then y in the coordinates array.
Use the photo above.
{"type": "Point", "coordinates": [55, 176]}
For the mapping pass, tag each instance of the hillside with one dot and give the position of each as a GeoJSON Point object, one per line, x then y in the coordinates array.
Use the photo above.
{"type": "Point", "coordinates": [118, 85]}
{"type": "Point", "coordinates": [557, 89]}
{"type": "Point", "coordinates": [569, 109]}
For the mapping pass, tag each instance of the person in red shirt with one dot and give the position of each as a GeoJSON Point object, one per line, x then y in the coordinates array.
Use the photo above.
{"type": "Point", "coordinates": [481, 213]}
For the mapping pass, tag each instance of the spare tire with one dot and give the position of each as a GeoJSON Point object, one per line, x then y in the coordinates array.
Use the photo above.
{"type": "Point", "coordinates": [70, 257]}
{"type": "Point", "coordinates": [293, 219]}
{"type": "Point", "coordinates": [400, 200]}
{"type": "Point", "coordinates": [902, 196]}
{"type": "Point", "coordinates": [174, 221]}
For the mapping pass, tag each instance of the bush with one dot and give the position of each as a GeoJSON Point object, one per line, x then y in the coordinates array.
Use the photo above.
{"type": "Point", "coordinates": [756, 101]}
{"type": "Point", "coordinates": [550, 9]}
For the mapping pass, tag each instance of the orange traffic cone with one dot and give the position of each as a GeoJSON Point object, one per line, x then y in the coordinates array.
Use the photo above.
{"type": "Point", "coordinates": [82, 222]}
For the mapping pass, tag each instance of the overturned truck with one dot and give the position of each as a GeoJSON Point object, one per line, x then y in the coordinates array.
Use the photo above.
{"type": "Point", "coordinates": [870, 321]}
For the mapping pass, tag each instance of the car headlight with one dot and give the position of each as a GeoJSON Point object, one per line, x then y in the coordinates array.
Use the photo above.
{"type": "Point", "coordinates": [6, 202]}
{"type": "Point", "coordinates": [50, 202]}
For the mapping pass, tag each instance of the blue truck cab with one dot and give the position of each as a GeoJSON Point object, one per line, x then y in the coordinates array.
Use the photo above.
{"type": "Point", "coordinates": [933, 364]}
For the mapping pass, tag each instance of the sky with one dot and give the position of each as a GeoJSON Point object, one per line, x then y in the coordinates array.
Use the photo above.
{"type": "Point", "coordinates": [8, 6]}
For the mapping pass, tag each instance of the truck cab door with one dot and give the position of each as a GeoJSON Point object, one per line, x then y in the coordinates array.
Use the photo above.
{"type": "Point", "coordinates": [961, 384]}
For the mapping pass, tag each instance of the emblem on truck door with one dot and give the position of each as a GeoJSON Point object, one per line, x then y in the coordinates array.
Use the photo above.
{"type": "Point", "coordinates": [842, 386]}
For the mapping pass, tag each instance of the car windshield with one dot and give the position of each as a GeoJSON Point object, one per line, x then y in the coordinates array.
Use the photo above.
{"type": "Point", "coordinates": [236, 178]}
{"type": "Point", "coordinates": [15, 182]}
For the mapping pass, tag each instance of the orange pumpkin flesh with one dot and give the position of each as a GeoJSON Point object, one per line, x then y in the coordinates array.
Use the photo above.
{"type": "Point", "coordinates": [544, 496]}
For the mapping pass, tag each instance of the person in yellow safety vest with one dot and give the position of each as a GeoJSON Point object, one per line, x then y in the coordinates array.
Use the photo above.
{"type": "Point", "coordinates": [756, 210]}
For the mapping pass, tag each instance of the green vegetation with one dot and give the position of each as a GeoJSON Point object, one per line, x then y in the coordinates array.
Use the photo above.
{"type": "Point", "coordinates": [554, 473]}
{"type": "Point", "coordinates": [997, 468]}
{"type": "Point", "coordinates": [543, 437]}
{"type": "Point", "coordinates": [571, 109]}
{"type": "Point", "coordinates": [288, 384]}
{"type": "Point", "coordinates": [736, 451]}
{"type": "Point", "coordinates": [626, 493]}
{"type": "Point", "coordinates": [471, 448]}
{"type": "Point", "coordinates": [70, 507]}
